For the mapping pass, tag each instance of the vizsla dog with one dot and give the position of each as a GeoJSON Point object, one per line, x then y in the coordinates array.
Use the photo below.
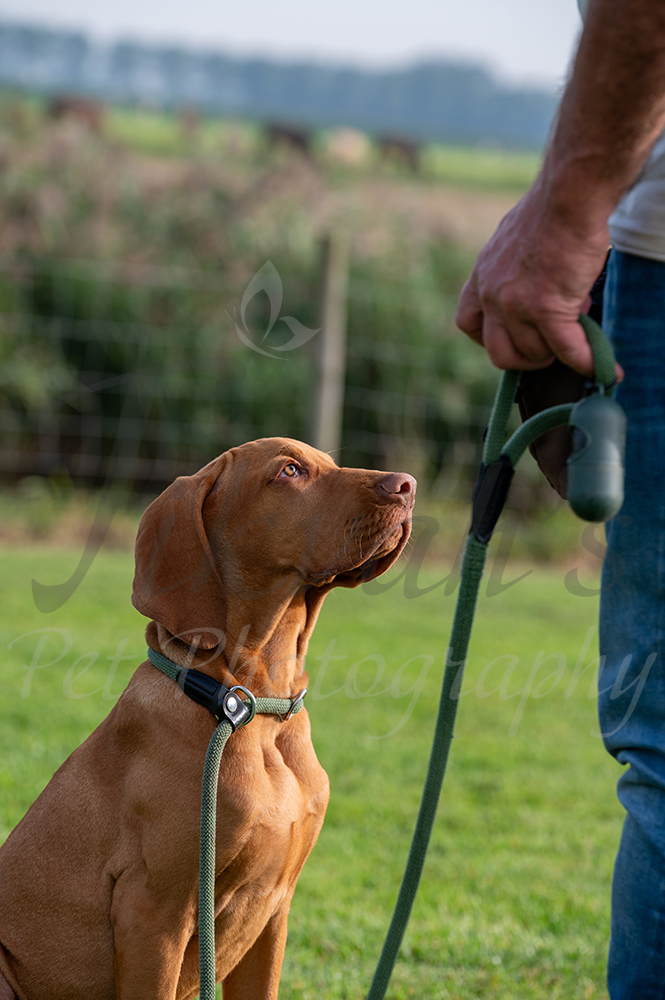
{"type": "Point", "coordinates": [99, 881]}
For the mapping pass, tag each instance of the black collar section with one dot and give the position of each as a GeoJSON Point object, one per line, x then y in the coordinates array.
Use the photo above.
{"type": "Point", "coordinates": [221, 701]}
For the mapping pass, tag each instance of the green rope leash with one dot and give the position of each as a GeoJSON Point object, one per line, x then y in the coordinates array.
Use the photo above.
{"type": "Point", "coordinates": [472, 570]}
{"type": "Point", "coordinates": [207, 854]}
{"type": "Point", "coordinates": [503, 404]}
{"type": "Point", "coordinates": [603, 356]}
{"type": "Point", "coordinates": [285, 707]}
{"type": "Point", "coordinates": [497, 453]}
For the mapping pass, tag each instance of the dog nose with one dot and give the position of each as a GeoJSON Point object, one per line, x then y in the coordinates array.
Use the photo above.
{"type": "Point", "coordinates": [397, 486]}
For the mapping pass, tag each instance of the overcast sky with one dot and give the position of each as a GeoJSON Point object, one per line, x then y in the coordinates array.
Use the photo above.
{"type": "Point", "coordinates": [523, 40]}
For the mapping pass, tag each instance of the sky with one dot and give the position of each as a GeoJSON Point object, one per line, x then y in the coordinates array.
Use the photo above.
{"type": "Point", "coordinates": [523, 41]}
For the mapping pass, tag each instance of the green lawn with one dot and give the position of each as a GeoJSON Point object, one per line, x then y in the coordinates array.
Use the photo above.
{"type": "Point", "coordinates": [514, 902]}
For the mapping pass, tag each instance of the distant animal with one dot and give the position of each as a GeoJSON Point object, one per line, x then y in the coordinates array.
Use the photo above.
{"type": "Point", "coordinates": [400, 149]}
{"type": "Point", "coordinates": [99, 880]}
{"type": "Point", "coordinates": [348, 146]}
{"type": "Point", "coordinates": [83, 109]}
{"type": "Point", "coordinates": [292, 136]}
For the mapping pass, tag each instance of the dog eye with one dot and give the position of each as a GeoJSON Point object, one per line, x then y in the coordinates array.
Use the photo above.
{"type": "Point", "coordinates": [290, 470]}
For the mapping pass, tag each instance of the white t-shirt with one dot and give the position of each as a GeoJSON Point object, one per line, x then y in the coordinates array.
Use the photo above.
{"type": "Point", "coordinates": [637, 224]}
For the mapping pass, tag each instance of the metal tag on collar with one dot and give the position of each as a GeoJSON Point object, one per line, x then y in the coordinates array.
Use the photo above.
{"type": "Point", "coordinates": [238, 712]}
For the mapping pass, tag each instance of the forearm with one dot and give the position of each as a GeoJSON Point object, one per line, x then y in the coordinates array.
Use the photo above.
{"type": "Point", "coordinates": [532, 279]}
{"type": "Point", "coordinates": [611, 113]}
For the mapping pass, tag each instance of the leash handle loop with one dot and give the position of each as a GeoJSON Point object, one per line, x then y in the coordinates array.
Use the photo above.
{"type": "Point", "coordinates": [532, 428]}
{"type": "Point", "coordinates": [604, 360]}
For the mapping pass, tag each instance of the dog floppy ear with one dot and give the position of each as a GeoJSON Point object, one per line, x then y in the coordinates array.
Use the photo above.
{"type": "Point", "coordinates": [176, 581]}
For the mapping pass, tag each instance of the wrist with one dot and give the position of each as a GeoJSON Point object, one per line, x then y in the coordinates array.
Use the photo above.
{"type": "Point", "coordinates": [575, 197]}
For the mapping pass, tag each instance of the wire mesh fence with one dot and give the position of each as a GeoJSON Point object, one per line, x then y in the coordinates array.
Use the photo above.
{"type": "Point", "coordinates": [117, 375]}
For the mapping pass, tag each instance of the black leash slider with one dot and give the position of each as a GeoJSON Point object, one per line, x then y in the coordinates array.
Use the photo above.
{"type": "Point", "coordinates": [223, 702]}
{"type": "Point", "coordinates": [489, 497]}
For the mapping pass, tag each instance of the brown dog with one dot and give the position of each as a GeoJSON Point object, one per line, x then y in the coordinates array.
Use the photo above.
{"type": "Point", "coordinates": [99, 881]}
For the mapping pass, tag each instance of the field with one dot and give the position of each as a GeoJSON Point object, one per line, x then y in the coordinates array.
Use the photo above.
{"type": "Point", "coordinates": [163, 134]}
{"type": "Point", "coordinates": [156, 226]}
{"type": "Point", "coordinates": [515, 898]}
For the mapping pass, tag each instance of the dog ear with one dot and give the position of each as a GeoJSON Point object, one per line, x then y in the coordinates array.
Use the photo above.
{"type": "Point", "coordinates": [176, 581]}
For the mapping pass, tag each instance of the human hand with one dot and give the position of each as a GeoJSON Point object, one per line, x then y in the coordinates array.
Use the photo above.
{"type": "Point", "coordinates": [530, 283]}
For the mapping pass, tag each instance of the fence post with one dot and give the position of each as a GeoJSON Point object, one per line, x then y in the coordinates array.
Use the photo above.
{"type": "Point", "coordinates": [331, 360]}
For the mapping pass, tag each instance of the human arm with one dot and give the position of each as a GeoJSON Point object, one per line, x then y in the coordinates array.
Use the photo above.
{"type": "Point", "coordinates": [532, 279]}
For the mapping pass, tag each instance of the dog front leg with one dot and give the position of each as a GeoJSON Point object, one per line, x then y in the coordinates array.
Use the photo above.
{"type": "Point", "coordinates": [257, 973]}
{"type": "Point", "coordinates": [148, 946]}
{"type": "Point", "coordinates": [6, 992]}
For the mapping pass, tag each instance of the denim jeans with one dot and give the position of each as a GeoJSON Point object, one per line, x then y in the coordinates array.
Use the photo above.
{"type": "Point", "coordinates": [632, 623]}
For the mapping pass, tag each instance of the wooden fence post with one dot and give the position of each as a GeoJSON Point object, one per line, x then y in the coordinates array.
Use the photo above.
{"type": "Point", "coordinates": [331, 343]}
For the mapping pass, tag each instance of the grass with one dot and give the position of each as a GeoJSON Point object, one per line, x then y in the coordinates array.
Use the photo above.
{"type": "Point", "coordinates": [515, 898]}
{"type": "Point", "coordinates": [161, 133]}
{"type": "Point", "coordinates": [483, 168]}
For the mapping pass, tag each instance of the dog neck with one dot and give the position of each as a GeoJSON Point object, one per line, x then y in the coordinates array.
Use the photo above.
{"type": "Point", "coordinates": [264, 650]}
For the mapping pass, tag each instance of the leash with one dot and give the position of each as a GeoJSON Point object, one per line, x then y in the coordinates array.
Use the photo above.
{"type": "Point", "coordinates": [232, 712]}
{"type": "Point", "coordinates": [595, 493]}
{"type": "Point", "coordinates": [595, 488]}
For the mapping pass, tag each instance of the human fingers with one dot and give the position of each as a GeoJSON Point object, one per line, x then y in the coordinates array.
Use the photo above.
{"type": "Point", "coordinates": [527, 340]}
{"type": "Point", "coordinates": [503, 351]}
{"type": "Point", "coordinates": [573, 349]}
{"type": "Point", "coordinates": [469, 315]}
{"type": "Point", "coordinates": [567, 340]}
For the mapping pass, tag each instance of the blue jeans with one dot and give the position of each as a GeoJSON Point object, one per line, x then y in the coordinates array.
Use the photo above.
{"type": "Point", "coordinates": [632, 624]}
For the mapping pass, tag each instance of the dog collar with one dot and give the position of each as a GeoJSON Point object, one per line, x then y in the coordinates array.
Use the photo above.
{"type": "Point", "coordinates": [223, 702]}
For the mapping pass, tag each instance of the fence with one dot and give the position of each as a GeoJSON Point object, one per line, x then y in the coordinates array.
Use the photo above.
{"type": "Point", "coordinates": [114, 374]}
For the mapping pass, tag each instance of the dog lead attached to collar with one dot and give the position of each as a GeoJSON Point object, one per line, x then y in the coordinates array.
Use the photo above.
{"type": "Point", "coordinates": [232, 713]}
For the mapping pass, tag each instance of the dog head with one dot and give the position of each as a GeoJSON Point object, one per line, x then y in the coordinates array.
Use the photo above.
{"type": "Point", "coordinates": [263, 520]}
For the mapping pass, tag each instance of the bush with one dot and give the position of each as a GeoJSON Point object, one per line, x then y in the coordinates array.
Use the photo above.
{"type": "Point", "coordinates": [123, 274]}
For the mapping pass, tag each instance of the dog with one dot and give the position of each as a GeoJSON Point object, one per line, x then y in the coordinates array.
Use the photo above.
{"type": "Point", "coordinates": [99, 880]}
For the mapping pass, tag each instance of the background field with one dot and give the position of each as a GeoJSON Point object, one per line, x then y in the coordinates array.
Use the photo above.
{"type": "Point", "coordinates": [123, 255]}
{"type": "Point", "coordinates": [515, 899]}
